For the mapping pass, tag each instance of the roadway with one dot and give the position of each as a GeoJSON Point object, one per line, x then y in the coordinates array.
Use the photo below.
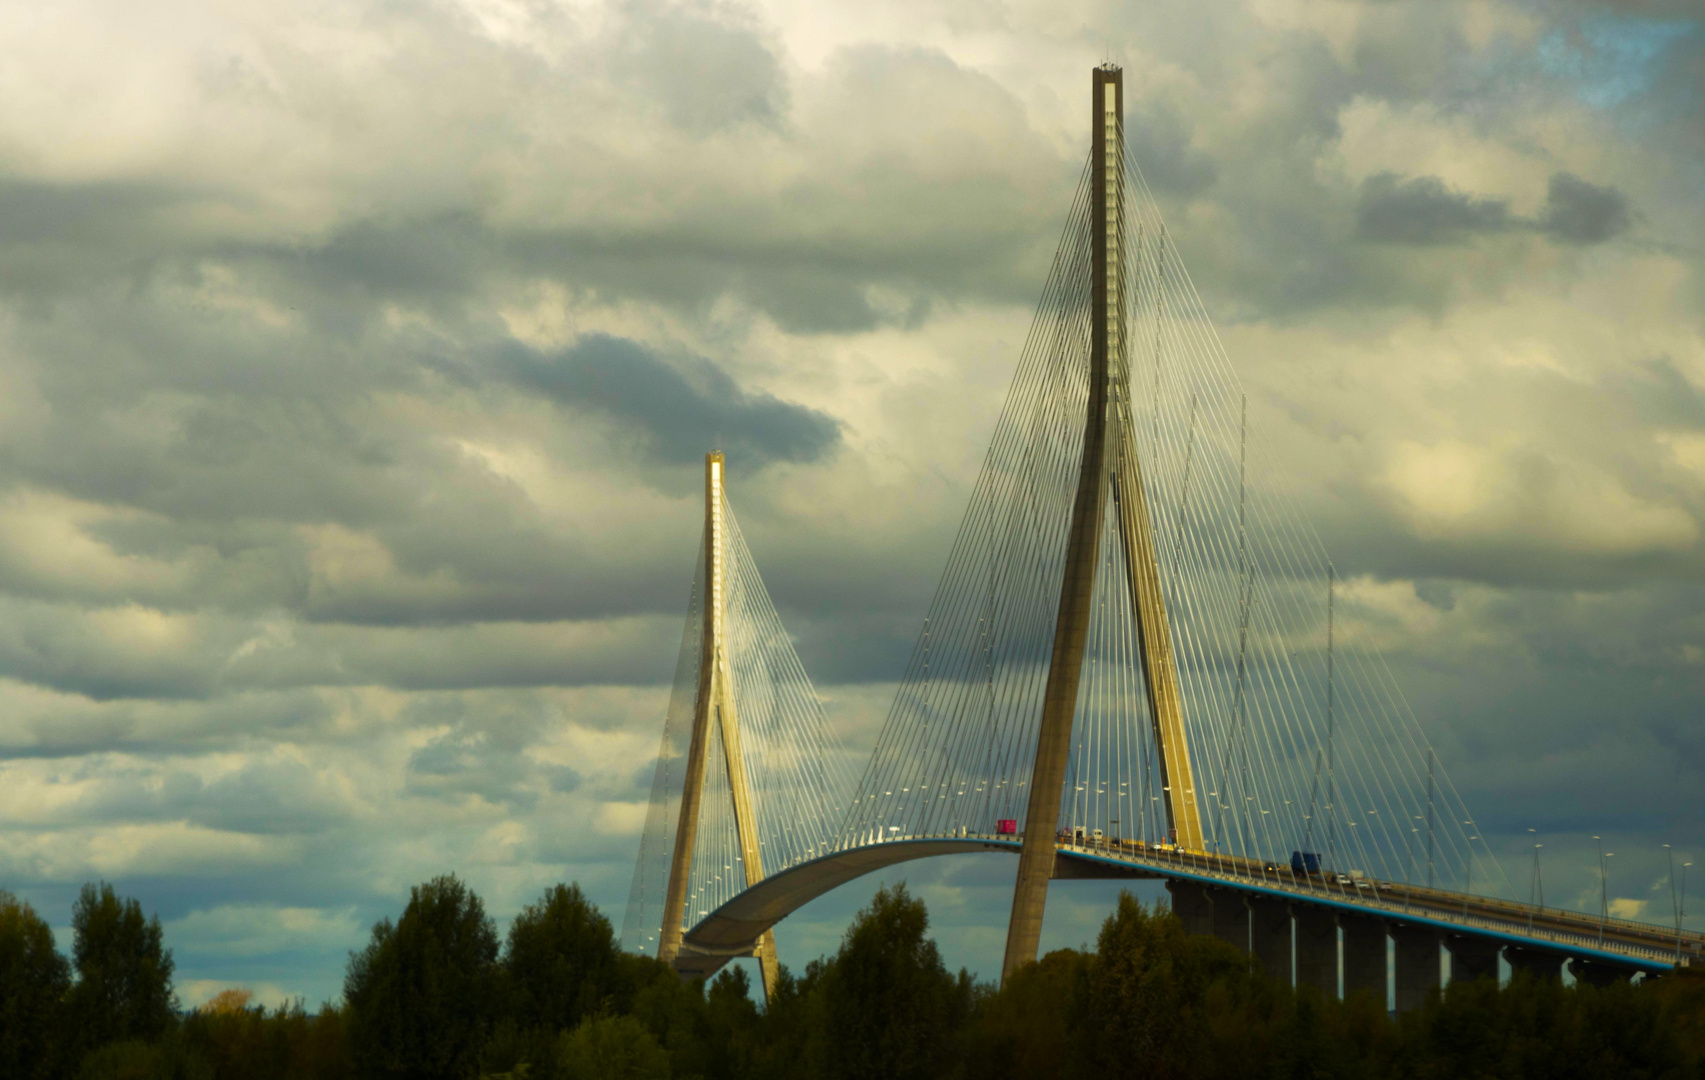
{"type": "Point", "coordinates": [731, 929]}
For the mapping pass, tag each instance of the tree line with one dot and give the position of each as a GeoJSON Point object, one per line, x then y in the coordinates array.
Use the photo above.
{"type": "Point", "coordinates": [438, 995]}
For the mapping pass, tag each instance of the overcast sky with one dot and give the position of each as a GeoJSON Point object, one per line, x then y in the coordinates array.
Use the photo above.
{"type": "Point", "coordinates": [357, 361]}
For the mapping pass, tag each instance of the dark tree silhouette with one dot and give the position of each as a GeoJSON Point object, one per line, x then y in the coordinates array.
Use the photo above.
{"type": "Point", "coordinates": [422, 995]}
{"type": "Point", "coordinates": [124, 972]}
{"type": "Point", "coordinates": [561, 960]}
{"type": "Point", "coordinates": [34, 979]}
{"type": "Point", "coordinates": [611, 1048]}
{"type": "Point", "coordinates": [892, 1011]}
{"type": "Point", "coordinates": [1145, 993]}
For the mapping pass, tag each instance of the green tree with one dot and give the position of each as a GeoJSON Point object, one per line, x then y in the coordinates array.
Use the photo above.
{"type": "Point", "coordinates": [124, 972]}
{"type": "Point", "coordinates": [1024, 1031]}
{"type": "Point", "coordinates": [1537, 1028]}
{"type": "Point", "coordinates": [612, 1048]}
{"type": "Point", "coordinates": [790, 1044]}
{"type": "Point", "coordinates": [732, 1024]}
{"type": "Point", "coordinates": [673, 1010]}
{"type": "Point", "coordinates": [891, 1009]}
{"type": "Point", "coordinates": [422, 995]}
{"type": "Point", "coordinates": [247, 1042]}
{"type": "Point", "coordinates": [33, 981]}
{"type": "Point", "coordinates": [166, 1058]}
{"type": "Point", "coordinates": [561, 960]}
{"type": "Point", "coordinates": [1142, 1000]}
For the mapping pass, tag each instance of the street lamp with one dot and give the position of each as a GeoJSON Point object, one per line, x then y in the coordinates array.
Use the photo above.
{"type": "Point", "coordinates": [1604, 892]}
{"type": "Point", "coordinates": [1681, 912]}
{"type": "Point", "coordinates": [1536, 895]}
{"type": "Point", "coordinates": [1468, 874]}
{"type": "Point", "coordinates": [1601, 888]}
{"type": "Point", "coordinates": [1674, 900]}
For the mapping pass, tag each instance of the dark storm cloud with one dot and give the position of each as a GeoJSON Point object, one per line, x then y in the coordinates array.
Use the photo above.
{"type": "Point", "coordinates": [425, 259]}
{"type": "Point", "coordinates": [1577, 212]}
{"type": "Point", "coordinates": [35, 213]}
{"type": "Point", "coordinates": [673, 413]}
{"type": "Point", "coordinates": [1423, 210]}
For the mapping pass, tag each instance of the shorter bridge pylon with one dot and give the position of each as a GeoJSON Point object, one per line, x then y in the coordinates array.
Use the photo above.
{"type": "Point", "coordinates": [748, 770]}
{"type": "Point", "coordinates": [715, 699]}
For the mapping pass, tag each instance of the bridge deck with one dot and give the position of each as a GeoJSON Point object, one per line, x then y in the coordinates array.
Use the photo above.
{"type": "Point", "coordinates": [732, 929]}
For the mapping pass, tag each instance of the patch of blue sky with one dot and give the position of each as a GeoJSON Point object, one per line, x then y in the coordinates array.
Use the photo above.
{"type": "Point", "coordinates": [1612, 58]}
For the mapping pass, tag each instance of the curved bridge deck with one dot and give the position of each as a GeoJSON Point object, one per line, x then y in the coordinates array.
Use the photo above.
{"type": "Point", "coordinates": [733, 929]}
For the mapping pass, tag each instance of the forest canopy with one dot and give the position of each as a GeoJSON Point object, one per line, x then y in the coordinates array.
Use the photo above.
{"type": "Point", "coordinates": [439, 994]}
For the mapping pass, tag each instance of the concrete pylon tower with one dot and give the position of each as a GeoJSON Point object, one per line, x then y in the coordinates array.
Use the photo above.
{"type": "Point", "coordinates": [715, 704]}
{"type": "Point", "coordinates": [1109, 464]}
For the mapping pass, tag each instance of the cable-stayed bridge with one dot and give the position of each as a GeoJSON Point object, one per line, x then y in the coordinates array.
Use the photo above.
{"type": "Point", "coordinates": [1139, 662]}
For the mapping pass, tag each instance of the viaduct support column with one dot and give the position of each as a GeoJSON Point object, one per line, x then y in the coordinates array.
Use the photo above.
{"type": "Point", "coordinates": [1417, 965]}
{"type": "Point", "coordinates": [1231, 919]}
{"type": "Point", "coordinates": [1317, 949]}
{"type": "Point", "coordinates": [1540, 963]}
{"type": "Point", "coordinates": [1598, 973]}
{"type": "Point", "coordinates": [1364, 955]}
{"type": "Point", "coordinates": [1191, 904]}
{"type": "Point", "coordinates": [1472, 958]}
{"type": "Point", "coordinates": [1270, 932]}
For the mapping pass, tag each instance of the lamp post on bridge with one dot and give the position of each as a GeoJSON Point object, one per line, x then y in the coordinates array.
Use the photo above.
{"type": "Point", "coordinates": [1409, 886]}
{"type": "Point", "coordinates": [1675, 906]}
{"type": "Point", "coordinates": [1468, 874]}
{"type": "Point", "coordinates": [1603, 887]}
{"type": "Point", "coordinates": [1536, 888]}
{"type": "Point", "coordinates": [1681, 911]}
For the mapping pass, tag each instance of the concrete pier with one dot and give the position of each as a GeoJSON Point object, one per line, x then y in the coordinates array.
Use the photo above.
{"type": "Point", "coordinates": [1472, 958]}
{"type": "Point", "coordinates": [1270, 929]}
{"type": "Point", "coordinates": [1364, 955]}
{"type": "Point", "coordinates": [1597, 972]}
{"type": "Point", "coordinates": [1191, 904]}
{"type": "Point", "coordinates": [1231, 918]}
{"type": "Point", "coordinates": [1417, 964]}
{"type": "Point", "coordinates": [1317, 950]}
{"type": "Point", "coordinates": [1540, 963]}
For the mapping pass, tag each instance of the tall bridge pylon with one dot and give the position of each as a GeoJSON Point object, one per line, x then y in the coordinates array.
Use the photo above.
{"type": "Point", "coordinates": [1133, 640]}
{"type": "Point", "coordinates": [1109, 468]}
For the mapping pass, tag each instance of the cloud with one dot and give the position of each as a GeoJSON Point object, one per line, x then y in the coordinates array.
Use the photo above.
{"type": "Point", "coordinates": [1423, 210]}
{"type": "Point", "coordinates": [672, 413]}
{"type": "Point", "coordinates": [1577, 212]}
